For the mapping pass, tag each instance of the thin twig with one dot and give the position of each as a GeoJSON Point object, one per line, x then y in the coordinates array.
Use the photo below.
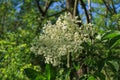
{"type": "Point", "coordinates": [39, 7]}
{"type": "Point", "coordinates": [55, 14]}
{"type": "Point", "coordinates": [113, 7]}
{"type": "Point", "coordinates": [47, 5]}
{"type": "Point", "coordinates": [86, 13]}
{"type": "Point", "coordinates": [107, 6]}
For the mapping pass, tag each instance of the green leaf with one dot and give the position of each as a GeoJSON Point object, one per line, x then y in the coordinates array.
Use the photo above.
{"type": "Point", "coordinates": [101, 76]}
{"type": "Point", "coordinates": [110, 35]}
{"type": "Point", "coordinates": [101, 64]}
{"type": "Point", "coordinates": [48, 71]}
{"type": "Point", "coordinates": [114, 65]}
{"type": "Point", "coordinates": [40, 77]}
{"type": "Point", "coordinates": [91, 78]}
{"type": "Point", "coordinates": [31, 73]}
{"type": "Point", "coordinates": [115, 41]}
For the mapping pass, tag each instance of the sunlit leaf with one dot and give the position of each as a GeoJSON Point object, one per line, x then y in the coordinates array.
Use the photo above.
{"type": "Point", "coordinates": [91, 78]}
{"type": "Point", "coordinates": [110, 35]}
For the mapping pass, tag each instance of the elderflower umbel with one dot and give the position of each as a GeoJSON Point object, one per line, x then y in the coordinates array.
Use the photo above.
{"type": "Point", "coordinates": [57, 40]}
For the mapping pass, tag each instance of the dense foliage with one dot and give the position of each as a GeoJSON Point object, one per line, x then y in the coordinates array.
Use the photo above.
{"type": "Point", "coordinates": [59, 40]}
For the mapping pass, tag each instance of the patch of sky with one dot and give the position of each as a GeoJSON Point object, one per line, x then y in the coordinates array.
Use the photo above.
{"type": "Point", "coordinates": [18, 6]}
{"type": "Point", "coordinates": [117, 7]}
{"type": "Point", "coordinates": [81, 13]}
{"type": "Point", "coordinates": [57, 6]}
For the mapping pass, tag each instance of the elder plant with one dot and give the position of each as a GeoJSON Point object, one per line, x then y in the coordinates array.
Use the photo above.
{"type": "Point", "coordinates": [59, 40]}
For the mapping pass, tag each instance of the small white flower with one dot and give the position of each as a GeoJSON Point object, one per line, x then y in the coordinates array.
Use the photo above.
{"type": "Point", "coordinates": [98, 37]}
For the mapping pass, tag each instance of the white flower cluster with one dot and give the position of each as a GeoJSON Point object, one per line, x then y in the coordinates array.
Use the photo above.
{"type": "Point", "coordinates": [60, 39]}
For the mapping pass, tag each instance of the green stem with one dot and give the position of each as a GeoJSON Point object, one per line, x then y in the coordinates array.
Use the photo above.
{"type": "Point", "coordinates": [68, 60]}
{"type": "Point", "coordinates": [68, 64]}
